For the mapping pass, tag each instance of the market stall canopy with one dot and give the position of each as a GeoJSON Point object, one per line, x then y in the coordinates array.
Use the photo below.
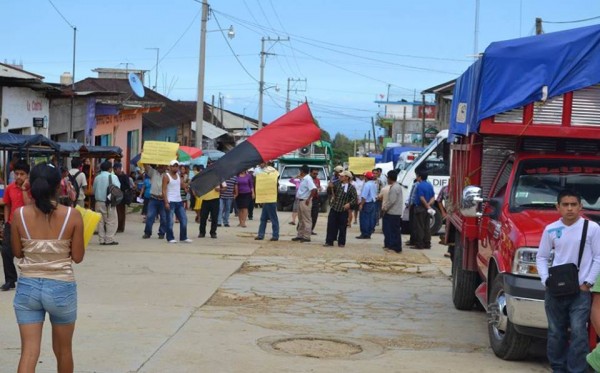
{"type": "Point", "coordinates": [187, 153]}
{"type": "Point", "coordinates": [76, 149]}
{"type": "Point", "coordinates": [11, 141]}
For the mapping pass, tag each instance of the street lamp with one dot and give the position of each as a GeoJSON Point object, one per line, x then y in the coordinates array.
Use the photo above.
{"type": "Point", "coordinates": [201, 68]}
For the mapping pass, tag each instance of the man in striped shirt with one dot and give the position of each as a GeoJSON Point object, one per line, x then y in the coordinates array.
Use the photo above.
{"type": "Point", "coordinates": [228, 194]}
{"type": "Point", "coordinates": [344, 198]}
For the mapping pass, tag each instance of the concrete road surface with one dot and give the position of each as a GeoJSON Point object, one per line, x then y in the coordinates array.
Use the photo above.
{"type": "Point", "coordinates": [233, 304]}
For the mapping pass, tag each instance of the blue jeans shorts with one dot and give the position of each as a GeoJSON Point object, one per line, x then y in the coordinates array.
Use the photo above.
{"type": "Point", "coordinates": [36, 296]}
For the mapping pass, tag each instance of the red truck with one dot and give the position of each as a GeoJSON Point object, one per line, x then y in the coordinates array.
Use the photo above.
{"type": "Point", "coordinates": [525, 124]}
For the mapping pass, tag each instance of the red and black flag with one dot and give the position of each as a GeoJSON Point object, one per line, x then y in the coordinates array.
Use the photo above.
{"type": "Point", "coordinates": [285, 134]}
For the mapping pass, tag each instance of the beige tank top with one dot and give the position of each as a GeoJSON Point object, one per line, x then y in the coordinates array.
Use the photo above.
{"type": "Point", "coordinates": [46, 258]}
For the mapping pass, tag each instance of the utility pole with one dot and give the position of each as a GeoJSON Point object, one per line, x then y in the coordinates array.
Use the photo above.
{"type": "Point", "coordinates": [374, 138]}
{"type": "Point", "coordinates": [387, 99]}
{"type": "Point", "coordinates": [296, 90]}
{"type": "Point", "coordinates": [476, 32]}
{"type": "Point", "coordinates": [70, 139]}
{"type": "Point", "coordinates": [261, 83]}
{"type": "Point", "coordinates": [538, 26]}
{"type": "Point", "coordinates": [403, 126]}
{"type": "Point", "coordinates": [201, 66]}
{"type": "Point", "coordinates": [423, 127]}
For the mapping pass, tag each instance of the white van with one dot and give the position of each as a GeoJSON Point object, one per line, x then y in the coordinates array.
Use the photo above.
{"type": "Point", "coordinates": [406, 158]}
{"type": "Point", "coordinates": [435, 161]}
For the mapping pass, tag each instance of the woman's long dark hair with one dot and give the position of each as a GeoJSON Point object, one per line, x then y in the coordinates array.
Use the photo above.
{"type": "Point", "coordinates": [44, 180]}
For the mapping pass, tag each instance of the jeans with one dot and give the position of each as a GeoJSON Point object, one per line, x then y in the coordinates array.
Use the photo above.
{"type": "Point", "coordinates": [568, 354]}
{"type": "Point", "coordinates": [368, 214]}
{"type": "Point", "coordinates": [177, 209]}
{"type": "Point", "coordinates": [36, 296]}
{"type": "Point", "coordinates": [391, 225]}
{"type": "Point", "coordinates": [269, 211]}
{"type": "Point", "coordinates": [156, 207]}
{"type": "Point", "coordinates": [224, 210]}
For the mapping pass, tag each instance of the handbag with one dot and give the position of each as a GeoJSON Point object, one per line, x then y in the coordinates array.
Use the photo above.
{"type": "Point", "coordinates": [563, 280]}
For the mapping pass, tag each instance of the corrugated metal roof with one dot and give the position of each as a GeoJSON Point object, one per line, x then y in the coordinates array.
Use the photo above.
{"type": "Point", "coordinates": [233, 121]}
{"type": "Point", "coordinates": [210, 130]}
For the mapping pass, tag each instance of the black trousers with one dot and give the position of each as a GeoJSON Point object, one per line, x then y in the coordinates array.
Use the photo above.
{"type": "Point", "coordinates": [10, 272]}
{"type": "Point", "coordinates": [211, 207]}
{"type": "Point", "coordinates": [411, 223]}
{"type": "Point", "coordinates": [391, 232]}
{"type": "Point", "coordinates": [121, 209]}
{"type": "Point", "coordinates": [337, 223]}
{"type": "Point", "coordinates": [251, 209]}
{"type": "Point", "coordinates": [314, 212]}
{"type": "Point", "coordinates": [422, 230]}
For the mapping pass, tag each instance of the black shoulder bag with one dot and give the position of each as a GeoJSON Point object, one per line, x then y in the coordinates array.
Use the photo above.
{"type": "Point", "coordinates": [563, 280]}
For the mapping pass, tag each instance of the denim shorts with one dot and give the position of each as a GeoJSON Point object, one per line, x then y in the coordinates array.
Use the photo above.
{"type": "Point", "coordinates": [36, 296]}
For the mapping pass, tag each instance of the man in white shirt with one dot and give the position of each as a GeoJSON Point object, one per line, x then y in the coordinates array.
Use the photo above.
{"type": "Point", "coordinates": [570, 311]}
{"type": "Point", "coordinates": [304, 195]}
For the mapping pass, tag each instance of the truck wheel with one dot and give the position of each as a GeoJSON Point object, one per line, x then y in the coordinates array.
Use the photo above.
{"type": "Point", "coordinates": [464, 282]}
{"type": "Point", "coordinates": [436, 222]}
{"type": "Point", "coordinates": [506, 342]}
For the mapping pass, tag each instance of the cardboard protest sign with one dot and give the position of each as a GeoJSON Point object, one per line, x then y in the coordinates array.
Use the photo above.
{"type": "Point", "coordinates": [159, 152]}
{"type": "Point", "coordinates": [266, 187]}
{"type": "Point", "coordinates": [359, 165]}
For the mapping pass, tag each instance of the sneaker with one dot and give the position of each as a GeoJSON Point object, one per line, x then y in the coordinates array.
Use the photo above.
{"type": "Point", "coordinates": [258, 238]}
{"type": "Point", "coordinates": [172, 241]}
{"type": "Point", "coordinates": [213, 235]}
{"type": "Point", "coordinates": [227, 225]}
{"type": "Point", "coordinates": [274, 239]}
{"type": "Point", "coordinates": [305, 240]}
{"type": "Point", "coordinates": [146, 236]}
{"type": "Point", "coordinates": [187, 240]}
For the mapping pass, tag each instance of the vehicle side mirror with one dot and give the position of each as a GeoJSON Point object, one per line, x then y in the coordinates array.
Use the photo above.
{"type": "Point", "coordinates": [470, 205]}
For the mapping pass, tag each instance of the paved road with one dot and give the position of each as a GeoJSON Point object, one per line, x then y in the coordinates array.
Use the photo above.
{"type": "Point", "coordinates": [238, 305]}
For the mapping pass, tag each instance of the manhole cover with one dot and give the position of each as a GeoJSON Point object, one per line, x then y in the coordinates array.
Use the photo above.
{"type": "Point", "coordinates": [317, 347]}
{"type": "Point", "coordinates": [320, 347]}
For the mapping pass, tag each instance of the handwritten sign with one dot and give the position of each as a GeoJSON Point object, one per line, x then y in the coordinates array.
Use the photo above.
{"type": "Point", "coordinates": [266, 187]}
{"type": "Point", "coordinates": [159, 152]}
{"type": "Point", "coordinates": [359, 165]}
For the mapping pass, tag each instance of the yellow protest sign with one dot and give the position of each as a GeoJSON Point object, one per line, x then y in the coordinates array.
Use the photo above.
{"type": "Point", "coordinates": [266, 187]}
{"type": "Point", "coordinates": [359, 165]}
{"type": "Point", "coordinates": [159, 152]}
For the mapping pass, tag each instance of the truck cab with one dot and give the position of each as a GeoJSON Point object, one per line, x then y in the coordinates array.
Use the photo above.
{"type": "Point", "coordinates": [435, 160]}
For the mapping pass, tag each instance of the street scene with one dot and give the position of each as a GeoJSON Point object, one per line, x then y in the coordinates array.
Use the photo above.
{"type": "Point", "coordinates": [238, 305]}
{"type": "Point", "coordinates": [262, 186]}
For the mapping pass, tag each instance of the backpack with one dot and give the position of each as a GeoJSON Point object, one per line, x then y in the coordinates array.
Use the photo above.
{"type": "Point", "coordinates": [67, 194]}
{"type": "Point", "coordinates": [114, 194]}
{"type": "Point", "coordinates": [75, 184]}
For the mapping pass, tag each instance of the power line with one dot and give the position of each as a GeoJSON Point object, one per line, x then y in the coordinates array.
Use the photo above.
{"type": "Point", "coordinates": [233, 52]}
{"type": "Point", "coordinates": [61, 15]}
{"type": "Point", "coordinates": [575, 21]}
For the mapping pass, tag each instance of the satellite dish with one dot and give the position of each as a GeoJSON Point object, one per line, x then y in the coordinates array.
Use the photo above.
{"type": "Point", "coordinates": [136, 85]}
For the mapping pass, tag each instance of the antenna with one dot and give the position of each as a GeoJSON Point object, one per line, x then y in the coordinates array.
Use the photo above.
{"type": "Point", "coordinates": [136, 85]}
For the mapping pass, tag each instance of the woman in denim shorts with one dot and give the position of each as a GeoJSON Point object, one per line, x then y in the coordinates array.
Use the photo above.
{"type": "Point", "coordinates": [47, 238]}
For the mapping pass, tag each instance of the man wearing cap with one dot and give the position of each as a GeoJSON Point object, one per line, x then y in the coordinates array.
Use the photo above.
{"type": "Point", "coordinates": [304, 194]}
{"type": "Point", "coordinates": [171, 185]}
{"type": "Point", "coordinates": [345, 199]}
{"type": "Point", "coordinates": [368, 207]}
{"type": "Point", "coordinates": [156, 206]}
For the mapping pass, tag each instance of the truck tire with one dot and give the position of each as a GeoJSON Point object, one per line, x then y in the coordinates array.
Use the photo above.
{"type": "Point", "coordinates": [506, 342]}
{"type": "Point", "coordinates": [436, 222]}
{"type": "Point", "coordinates": [464, 282]}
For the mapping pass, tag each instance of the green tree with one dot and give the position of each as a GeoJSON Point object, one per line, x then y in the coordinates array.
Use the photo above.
{"type": "Point", "coordinates": [343, 148]}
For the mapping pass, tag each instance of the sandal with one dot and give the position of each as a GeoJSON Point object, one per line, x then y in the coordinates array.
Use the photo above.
{"type": "Point", "coordinates": [292, 223]}
{"type": "Point", "coordinates": [448, 255]}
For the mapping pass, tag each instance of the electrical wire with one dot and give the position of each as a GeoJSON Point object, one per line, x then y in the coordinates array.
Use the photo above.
{"type": "Point", "coordinates": [575, 21]}
{"type": "Point", "coordinates": [61, 15]}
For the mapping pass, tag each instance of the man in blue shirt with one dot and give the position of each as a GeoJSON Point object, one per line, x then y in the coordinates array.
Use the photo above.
{"type": "Point", "coordinates": [368, 207]}
{"type": "Point", "coordinates": [424, 200]}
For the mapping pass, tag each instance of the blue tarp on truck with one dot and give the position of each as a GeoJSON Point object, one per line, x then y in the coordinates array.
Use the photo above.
{"type": "Point", "coordinates": [514, 73]}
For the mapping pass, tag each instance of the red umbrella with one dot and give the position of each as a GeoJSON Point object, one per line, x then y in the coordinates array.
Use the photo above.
{"type": "Point", "coordinates": [185, 153]}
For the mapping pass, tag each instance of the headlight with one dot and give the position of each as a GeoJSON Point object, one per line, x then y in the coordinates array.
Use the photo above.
{"type": "Point", "coordinates": [283, 188]}
{"type": "Point", "coordinates": [524, 263]}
